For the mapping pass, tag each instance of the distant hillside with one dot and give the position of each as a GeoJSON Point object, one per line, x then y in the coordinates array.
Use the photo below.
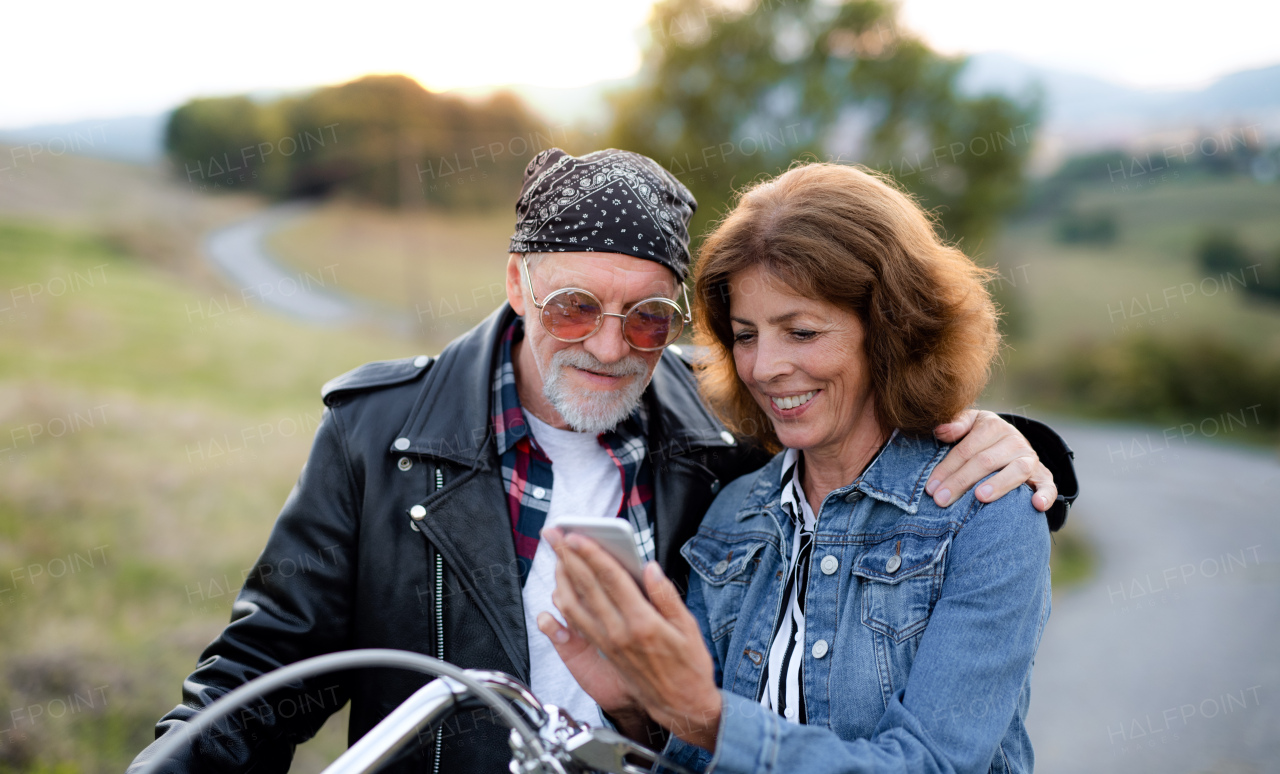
{"type": "Point", "coordinates": [1081, 111]}
{"type": "Point", "coordinates": [138, 139]}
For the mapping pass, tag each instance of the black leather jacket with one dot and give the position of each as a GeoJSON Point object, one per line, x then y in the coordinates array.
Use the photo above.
{"type": "Point", "coordinates": [346, 566]}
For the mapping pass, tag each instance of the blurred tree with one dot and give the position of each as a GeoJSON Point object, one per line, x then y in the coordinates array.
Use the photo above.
{"type": "Point", "coordinates": [728, 95]}
{"type": "Point", "coordinates": [381, 138]}
{"type": "Point", "coordinates": [217, 143]}
{"type": "Point", "coordinates": [1220, 250]}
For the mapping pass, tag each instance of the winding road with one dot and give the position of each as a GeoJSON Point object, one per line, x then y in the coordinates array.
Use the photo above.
{"type": "Point", "coordinates": [239, 253]}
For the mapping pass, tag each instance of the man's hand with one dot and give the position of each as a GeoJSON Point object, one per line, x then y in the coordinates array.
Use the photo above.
{"type": "Point", "coordinates": [989, 444]}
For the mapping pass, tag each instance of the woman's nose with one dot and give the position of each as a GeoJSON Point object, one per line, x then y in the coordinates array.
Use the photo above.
{"type": "Point", "coordinates": [773, 359]}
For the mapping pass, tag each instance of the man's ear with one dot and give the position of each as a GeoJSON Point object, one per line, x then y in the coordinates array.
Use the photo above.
{"type": "Point", "coordinates": [515, 284]}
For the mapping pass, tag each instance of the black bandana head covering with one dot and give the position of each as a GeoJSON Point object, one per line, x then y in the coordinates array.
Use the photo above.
{"type": "Point", "coordinates": [609, 201]}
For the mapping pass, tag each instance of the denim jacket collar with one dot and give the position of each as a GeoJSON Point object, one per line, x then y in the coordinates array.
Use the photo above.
{"type": "Point", "coordinates": [896, 477]}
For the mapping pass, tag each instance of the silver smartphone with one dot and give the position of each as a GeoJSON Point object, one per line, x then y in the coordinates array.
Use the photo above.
{"type": "Point", "coordinates": [615, 536]}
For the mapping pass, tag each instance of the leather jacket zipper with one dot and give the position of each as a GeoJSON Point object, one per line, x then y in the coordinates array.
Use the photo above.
{"type": "Point", "coordinates": [439, 600]}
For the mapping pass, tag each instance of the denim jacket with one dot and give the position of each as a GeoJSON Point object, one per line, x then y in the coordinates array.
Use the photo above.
{"type": "Point", "coordinates": [920, 663]}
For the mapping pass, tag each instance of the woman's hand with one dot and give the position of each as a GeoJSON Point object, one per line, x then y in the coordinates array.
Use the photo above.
{"type": "Point", "coordinates": [596, 676]}
{"type": "Point", "coordinates": [656, 649]}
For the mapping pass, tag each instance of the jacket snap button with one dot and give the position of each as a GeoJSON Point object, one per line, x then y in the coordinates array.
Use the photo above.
{"type": "Point", "coordinates": [715, 487]}
{"type": "Point", "coordinates": [401, 444]}
{"type": "Point", "coordinates": [417, 513]}
{"type": "Point", "coordinates": [728, 438]}
{"type": "Point", "coordinates": [405, 463]}
{"type": "Point", "coordinates": [420, 361]}
{"type": "Point", "coordinates": [720, 567]}
{"type": "Point", "coordinates": [819, 648]}
{"type": "Point", "coordinates": [829, 564]}
{"type": "Point", "coordinates": [893, 564]}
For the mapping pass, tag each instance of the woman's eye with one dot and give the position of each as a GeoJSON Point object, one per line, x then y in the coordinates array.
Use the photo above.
{"type": "Point", "coordinates": [803, 335]}
{"type": "Point", "coordinates": [743, 337]}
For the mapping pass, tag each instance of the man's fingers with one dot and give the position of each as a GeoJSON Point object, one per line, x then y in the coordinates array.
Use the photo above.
{"type": "Point", "coordinates": [1007, 480]}
{"type": "Point", "coordinates": [956, 428]}
{"type": "Point", "coordinates": [980, 434]}
{"type": "Point", "coordinates": [946, 486]}
{"type": "Point", "coordinates": [1046, 491]}
{"type": "Point", "coordinates": [1016, 470]}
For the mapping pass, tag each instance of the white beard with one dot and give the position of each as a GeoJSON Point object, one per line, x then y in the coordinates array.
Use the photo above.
{"type": "Point", "coordinates": [594, 411]}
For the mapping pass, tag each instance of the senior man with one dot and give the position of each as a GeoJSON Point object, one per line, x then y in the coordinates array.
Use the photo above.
{"type": "Point", "coordinates": [430, 478]}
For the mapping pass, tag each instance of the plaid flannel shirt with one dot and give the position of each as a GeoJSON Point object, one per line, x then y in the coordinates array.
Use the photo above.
{"type": "Point", "coordinates": [526, 470]}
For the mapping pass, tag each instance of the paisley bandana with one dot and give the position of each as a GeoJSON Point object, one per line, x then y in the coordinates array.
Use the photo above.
{"type": "Point", "coordinates": [609, 201]}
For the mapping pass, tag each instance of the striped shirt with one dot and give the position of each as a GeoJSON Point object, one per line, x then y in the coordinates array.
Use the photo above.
{"type": "Point", "coordinates": [526, 470]}
{"type": "Point", "coordinates": [783, 689]}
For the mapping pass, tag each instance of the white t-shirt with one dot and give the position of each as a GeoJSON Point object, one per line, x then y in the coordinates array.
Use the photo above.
{"type": "Point", "coordinates": [586, 484]}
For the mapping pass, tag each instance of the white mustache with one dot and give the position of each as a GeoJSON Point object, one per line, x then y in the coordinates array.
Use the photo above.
{"type": "Point", "coordinates": [628, 366]}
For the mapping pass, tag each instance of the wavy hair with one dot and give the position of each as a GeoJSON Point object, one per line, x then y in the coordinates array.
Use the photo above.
{"type": "Point", "coordinates": [844, 235]}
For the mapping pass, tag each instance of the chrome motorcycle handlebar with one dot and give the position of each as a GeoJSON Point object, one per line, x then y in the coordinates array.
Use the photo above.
{"type": "Point", "coordinates": [544, 739]}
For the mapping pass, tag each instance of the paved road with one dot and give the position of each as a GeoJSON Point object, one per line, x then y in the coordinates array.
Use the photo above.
{"type": "Point", "coordinates": [1168, 660]}
{"type": "Point", "coordinates": [240, 254]}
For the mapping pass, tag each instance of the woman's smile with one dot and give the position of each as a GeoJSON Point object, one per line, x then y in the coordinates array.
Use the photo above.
{"type": "Point", "coordinates": [787, 406]}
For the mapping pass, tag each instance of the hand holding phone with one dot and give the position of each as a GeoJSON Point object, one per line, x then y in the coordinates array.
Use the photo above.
{"type": "Point", "coordinates": [615, 536]}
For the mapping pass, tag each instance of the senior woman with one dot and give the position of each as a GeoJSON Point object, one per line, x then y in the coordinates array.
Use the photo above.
{"type": "Point", "coordinates": [838, 619]}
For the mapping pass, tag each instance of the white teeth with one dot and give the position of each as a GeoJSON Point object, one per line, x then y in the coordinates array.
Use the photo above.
{"type": "Point", "coordinates": [794, 401]}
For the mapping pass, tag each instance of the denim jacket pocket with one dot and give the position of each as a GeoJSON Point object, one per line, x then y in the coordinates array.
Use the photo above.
{"type": "Point", "coordinates": [726, 563]}
{"type": "Point", "coordinates": [901, 578]}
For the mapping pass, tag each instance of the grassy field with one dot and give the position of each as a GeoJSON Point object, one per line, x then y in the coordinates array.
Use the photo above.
{"type": "Point", "coordinates": [145, 447]}
{"type": "Point", "coordinates": [1071, 291]}
{"type": "Point", "coordinates": [1147, 282]}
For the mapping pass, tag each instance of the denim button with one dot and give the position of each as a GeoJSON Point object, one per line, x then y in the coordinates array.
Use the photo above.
{"type": "Point", "coordinates": [720, 567]}
{"type": "Point", "coordinates": [819, 648]}
{"type": "Point", "coordinates": [829, 564]}
{"type": "Point", "coordinates": [405, 463]}
{"type": "Point", "coordinates": [852, 497]}
{"type": "Point", "coordinates": [893, 564]}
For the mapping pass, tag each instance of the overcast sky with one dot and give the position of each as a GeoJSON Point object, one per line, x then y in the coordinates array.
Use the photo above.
{"type": "Point", "coordinates": [80, 60]}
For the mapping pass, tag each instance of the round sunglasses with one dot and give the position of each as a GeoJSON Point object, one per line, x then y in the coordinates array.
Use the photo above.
{"type": "Point", "coordinates": [574, 314]}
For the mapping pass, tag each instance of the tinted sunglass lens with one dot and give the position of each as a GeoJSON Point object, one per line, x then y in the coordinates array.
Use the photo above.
{"type": "Point", "coordinates": [653, 325]}
{"type": "Point", "coordinates": [571, 315]}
